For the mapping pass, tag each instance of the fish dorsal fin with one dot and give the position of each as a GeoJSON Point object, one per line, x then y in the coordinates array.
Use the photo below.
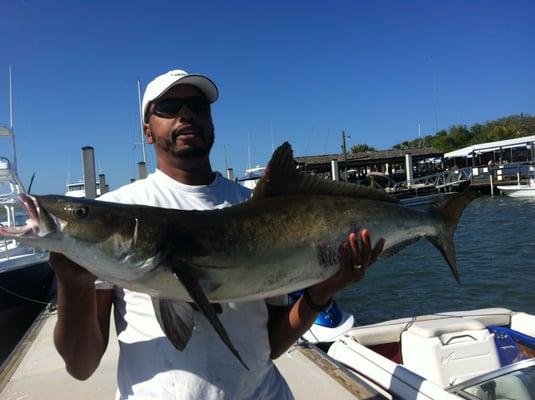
{"type": "Point", "coordinates": [281, 178]}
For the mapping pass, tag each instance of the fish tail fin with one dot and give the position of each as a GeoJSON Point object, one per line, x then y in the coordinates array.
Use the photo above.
{"type": "Point", "coordinates": [450, 211]}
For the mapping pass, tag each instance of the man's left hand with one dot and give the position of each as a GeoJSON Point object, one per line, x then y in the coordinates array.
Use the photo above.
{"type": "Point", "coordinates": [355, 259]}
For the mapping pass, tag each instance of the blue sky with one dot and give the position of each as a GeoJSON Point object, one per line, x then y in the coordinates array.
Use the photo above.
{"type": "Point", "coordinates": [297, 71]}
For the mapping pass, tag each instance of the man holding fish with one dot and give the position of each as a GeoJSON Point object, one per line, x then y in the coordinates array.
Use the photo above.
{"type": "Point", "coordinates": [178, 123]}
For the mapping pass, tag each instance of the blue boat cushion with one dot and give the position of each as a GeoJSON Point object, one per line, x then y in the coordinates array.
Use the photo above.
{"type": "Point", "coordinates": [511, 344]}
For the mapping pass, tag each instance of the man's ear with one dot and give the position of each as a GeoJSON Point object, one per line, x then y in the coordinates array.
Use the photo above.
{"type": "Point", "coordinates": [148, 134]}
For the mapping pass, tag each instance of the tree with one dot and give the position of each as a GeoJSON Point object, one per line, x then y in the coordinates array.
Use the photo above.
{"type": "Point", "coordinates": [361, 148]}
{"type": "Point", "coordinates": [459, 136]}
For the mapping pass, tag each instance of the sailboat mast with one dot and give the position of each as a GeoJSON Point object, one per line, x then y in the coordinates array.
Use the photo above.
{"type": "Point", "coordinates": [12, 134]}
{"type": "Point", "coordinates": [141, 123]}
{"type": "Point", "coordinates": [249, 151]}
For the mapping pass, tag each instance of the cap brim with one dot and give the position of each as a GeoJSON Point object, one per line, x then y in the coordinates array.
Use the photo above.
{"type": "Point", "coordinates": [201, 82]}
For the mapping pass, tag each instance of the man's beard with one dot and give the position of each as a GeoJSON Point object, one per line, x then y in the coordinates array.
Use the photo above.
{"type": "Point", "coordinates": [199, 151]}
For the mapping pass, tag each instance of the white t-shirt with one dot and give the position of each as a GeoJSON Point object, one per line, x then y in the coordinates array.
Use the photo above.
{"type": "Point", "coordinates": [149, 365]}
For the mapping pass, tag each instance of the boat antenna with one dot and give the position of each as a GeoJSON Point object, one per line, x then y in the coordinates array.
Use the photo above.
{"type": "Point", "coordinates": [435, 101]}
{"type": "Point", "coordinates": [272, 142]}
{"type": "Point", "coordinates": [226, 164]}
{"type": "Point", "coordinates": [31, 183]}
{"type": "Point", "coordinates": [249, 150]}
{"type": "Point", "coordinates": [141, 122]}
{"type": "Point", "coordinates": [12, 134]}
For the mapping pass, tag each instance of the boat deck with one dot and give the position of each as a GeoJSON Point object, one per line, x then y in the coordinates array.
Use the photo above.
{"type": "Point", "coordinates": [36, 371]}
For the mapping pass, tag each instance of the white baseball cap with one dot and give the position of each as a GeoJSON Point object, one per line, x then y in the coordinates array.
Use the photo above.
{"type": "Point", "coordinates": [161, 84]}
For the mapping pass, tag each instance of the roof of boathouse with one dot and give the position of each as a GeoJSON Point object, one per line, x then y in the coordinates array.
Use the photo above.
{"type": "Point", "coordinates": [370, 157]}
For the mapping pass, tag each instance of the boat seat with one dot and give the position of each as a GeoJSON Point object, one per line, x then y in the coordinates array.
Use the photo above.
{"type": "Point", "coordinates": [436, 328]}
{"type": "Point", "coordinates": [449, 351]}
{"type": "Point", "coordinates": [390, 331]}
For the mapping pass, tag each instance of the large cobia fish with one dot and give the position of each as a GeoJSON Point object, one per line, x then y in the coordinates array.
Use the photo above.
{"type": "Point", "coordinates": [285, 238]}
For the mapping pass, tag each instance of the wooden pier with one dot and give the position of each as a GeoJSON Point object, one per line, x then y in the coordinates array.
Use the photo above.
{"type": "Point", "coordinates": [36, 371]}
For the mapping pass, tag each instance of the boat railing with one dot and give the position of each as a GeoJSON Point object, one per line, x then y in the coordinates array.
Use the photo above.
{"type": "Point", "coordinates": [438, 180]}
{"type": "Point", "coordinates": [503, 173]}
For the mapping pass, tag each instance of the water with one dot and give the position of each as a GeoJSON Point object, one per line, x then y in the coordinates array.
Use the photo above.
{"type": "Point", "coordinates": [15, 325]}
{"type": "Point", "coordinates": [495, 244]}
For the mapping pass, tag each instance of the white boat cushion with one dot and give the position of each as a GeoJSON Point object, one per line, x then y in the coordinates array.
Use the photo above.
{"type": "Point", "coordinates": [390, 331]}
{"type": "Point", "coordinates": [435, 328]}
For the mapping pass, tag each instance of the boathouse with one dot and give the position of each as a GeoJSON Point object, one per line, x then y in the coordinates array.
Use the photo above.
{"type": "Point", "coordinates": [361, 166]}
{"type": "Point", "coordinates": [509, 161]}
{"type": "Point", "coordinates": [517, 150]}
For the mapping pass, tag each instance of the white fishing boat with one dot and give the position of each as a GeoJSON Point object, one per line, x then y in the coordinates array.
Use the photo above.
{"type": "Point", "coordinates": [519, 190]}
{"type": "Point", "coordinates": [77, 189]}
{"type": "Point", "coordinates": [478, 354]}
{"type": "Point", "coordinates": [251, 176]}
{"type": "Point", "coordinates": [24, 271]}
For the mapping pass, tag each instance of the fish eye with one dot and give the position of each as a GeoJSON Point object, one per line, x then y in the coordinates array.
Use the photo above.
{"type": "Point", "coordinates": [80, 212]}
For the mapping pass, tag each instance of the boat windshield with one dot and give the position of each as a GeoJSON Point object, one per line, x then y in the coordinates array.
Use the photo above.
{"type": "Point", "coordinates": [515, 381]}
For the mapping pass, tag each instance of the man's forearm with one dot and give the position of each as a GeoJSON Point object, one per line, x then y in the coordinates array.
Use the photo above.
{"type": "Point", "coordinates": [78, 335]}
{"type": "Point", "coordinates": [287, 324]}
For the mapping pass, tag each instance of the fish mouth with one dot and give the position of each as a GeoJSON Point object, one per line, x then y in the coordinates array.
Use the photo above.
{"type": "Point", "coordinates": [39, 223]}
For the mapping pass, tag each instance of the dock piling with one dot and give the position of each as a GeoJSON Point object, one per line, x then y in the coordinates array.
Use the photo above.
{"type": "Point", "coordinates": [90, 183]}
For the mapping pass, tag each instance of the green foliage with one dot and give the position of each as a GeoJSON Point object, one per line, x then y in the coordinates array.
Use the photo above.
{"type": "Point", "coordinates": [459, 136]}
{"type": "Point", "coordinates": [361, 148]}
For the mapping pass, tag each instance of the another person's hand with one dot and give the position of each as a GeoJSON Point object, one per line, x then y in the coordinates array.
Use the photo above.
{"type": "Point", "coordinates": [355, 259]}
{"type": "Point", "coordinates": [69, 273]}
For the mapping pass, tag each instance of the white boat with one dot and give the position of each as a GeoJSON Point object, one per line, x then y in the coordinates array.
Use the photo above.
{"type": "Point", "coordinates": [24, 271]}
{"type": "Point", "coordinates": [77, 189]}
{"type": "Point", "coordinates": [424, 200]}
{"type": "Point", "coordinates": [519, 190]}
{"type": "Point", "coordinates": [477, 354]}
{"type": "Point", "coordinates": [25, 275]}
{"type": "Point", "coordinates": [251, 176]}
{"type": "Point", "coordinates": [14, 255]}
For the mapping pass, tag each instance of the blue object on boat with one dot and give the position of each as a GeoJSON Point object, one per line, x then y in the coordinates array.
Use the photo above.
{"type": "Point", "coordinates": [329, 319]}
{"type": "Point", "coordinates": [507, 340]}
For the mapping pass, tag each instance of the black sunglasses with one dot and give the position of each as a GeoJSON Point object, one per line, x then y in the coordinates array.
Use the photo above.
{"type": "Point", "coordinates": [170, 107]}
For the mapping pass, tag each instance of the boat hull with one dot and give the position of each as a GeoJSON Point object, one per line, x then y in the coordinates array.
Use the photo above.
{"type": "Point", "coordinates": [25, 286]}
{"type": "Point", "coordinates": [518, 191]}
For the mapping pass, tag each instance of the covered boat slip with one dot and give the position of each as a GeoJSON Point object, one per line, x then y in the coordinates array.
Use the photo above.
{"type": "Point", "coordinates": [36, 371]}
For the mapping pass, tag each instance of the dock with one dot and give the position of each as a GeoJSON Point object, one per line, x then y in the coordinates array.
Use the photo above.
{"type": "Point", "coordinates": [36, 371]}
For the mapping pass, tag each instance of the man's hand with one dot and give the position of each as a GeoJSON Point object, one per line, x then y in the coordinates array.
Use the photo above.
{"type": "Point", "coordinates": [287, 324]}
{"type": "Point", "coordinates": [355, 259]}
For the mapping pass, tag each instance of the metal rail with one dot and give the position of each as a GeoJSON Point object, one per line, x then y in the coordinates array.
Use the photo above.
{"type": "Point", "coordinates": [439, 180]}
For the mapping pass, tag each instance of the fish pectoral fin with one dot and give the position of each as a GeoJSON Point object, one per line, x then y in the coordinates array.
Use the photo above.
{"type": "Point", "coordinates": [175, 319]}
{"type": "Point", "coordinates": [199, 297]}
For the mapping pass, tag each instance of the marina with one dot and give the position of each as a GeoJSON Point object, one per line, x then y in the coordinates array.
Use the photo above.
{"type": "Point", "coordinates": [34, 359]}
{"type": "Point", "coordinates": [413, 249]}
{"type": "Point", "coordinates": [417, 282]}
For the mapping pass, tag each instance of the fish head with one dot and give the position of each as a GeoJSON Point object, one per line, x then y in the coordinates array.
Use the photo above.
{"type": "Point", "coordinates": [81, 219]}
{"type": "Point", "coordinates": [106, 238]}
